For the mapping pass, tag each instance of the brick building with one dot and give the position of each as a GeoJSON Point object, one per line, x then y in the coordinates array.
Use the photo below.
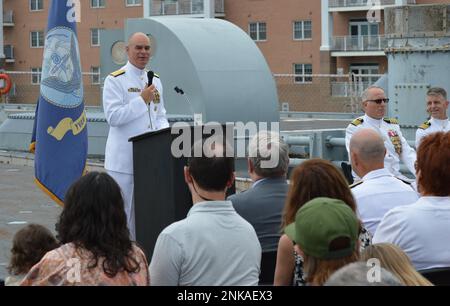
{"type": "Point", "coordinates": [301, 37]}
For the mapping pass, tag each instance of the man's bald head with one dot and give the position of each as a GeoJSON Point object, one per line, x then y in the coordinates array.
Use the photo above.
{"type": "Point", "coordinates": [138, 49]}
{"type": "Point", "coordinates": [368, 145]}
{"type": "Point", "coordinates": [133, 38]}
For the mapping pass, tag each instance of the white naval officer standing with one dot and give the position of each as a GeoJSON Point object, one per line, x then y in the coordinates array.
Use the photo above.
{"type": "Point", "coordinates": [378, 191]}
{"type": "Point", "coordinates": [127, 101]}
{"type": "Point", "coordinates": [437, 106]}
{"type": "Point", "coordinates": [397, 148]}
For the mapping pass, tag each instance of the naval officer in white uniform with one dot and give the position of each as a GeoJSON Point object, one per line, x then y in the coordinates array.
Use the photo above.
{"type": "Point", "coordinates": [378, 191]}
{"type": "Point", "coordinates": [374, 103]}
{"type": "Point", "coordinates": [437, 106]}
{"type": "Point", "coordinates": [131, 108]}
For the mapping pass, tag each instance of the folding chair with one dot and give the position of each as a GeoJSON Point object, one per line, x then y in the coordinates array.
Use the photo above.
{"type": "Point", "coordinates": [438, 276]}
{"type": "Point", "coordinates": [268, 263]}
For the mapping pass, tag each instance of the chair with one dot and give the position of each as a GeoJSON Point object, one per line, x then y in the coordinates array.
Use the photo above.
{"type": "Point", "coordinates": [438, 276]}
{"type": "Point", "coordinates": [347, 170]}
{"type": "Point", "coordinates": [268, 263]}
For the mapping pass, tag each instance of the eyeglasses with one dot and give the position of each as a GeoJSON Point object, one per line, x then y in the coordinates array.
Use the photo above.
{"type": "Point", "coordinates": [379, 101]}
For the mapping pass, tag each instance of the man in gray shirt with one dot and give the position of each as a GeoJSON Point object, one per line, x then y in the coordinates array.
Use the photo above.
{"type": "Point", "coordinates": [213, 245]}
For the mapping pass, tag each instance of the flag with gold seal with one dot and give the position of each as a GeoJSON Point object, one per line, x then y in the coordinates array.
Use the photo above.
{"type": "Point", "coordinates": [60, 139]}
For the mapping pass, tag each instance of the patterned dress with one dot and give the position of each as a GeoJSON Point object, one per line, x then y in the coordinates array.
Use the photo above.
{"type": "Point", "coordinates": [365, 240]}
{"type": "Point", "coordinates": [69, 266]}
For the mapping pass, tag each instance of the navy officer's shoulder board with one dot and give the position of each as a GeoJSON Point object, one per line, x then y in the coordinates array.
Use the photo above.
{"type": "Point", "coordinates": [355, 184]}
{"type": "Point", "coordinates": [117, 73]}
{"type": "Point", "coordinates": [404, 181]}
{"type": "Point", "coordinates": [425, 125]}
{"type": "Point", "coordinates": [391, 120]}
{"type": "Point", "coordinates": [357, 121]}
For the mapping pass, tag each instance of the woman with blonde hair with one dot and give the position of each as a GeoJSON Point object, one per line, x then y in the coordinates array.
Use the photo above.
{"type": "Point", "coordinates": [392, 258]}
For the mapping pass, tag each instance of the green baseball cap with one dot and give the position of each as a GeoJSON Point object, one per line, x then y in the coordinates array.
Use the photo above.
{"type": "Point", "coordinates": [319, 222]}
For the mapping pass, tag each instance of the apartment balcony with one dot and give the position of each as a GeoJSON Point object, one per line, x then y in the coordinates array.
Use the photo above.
{"type": "Point", "coordinates": [9, 53]}
{"type": "Point", "coordinates": [373, 45]}
{"type": "Point", "coordinates": [185, 8]}
{"type": "Point", "coordinates": [8, 20]}
{"type": "Point", "coordinates": [359, 5]}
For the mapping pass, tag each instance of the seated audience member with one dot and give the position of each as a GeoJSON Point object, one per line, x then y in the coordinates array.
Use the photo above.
{"type": "Point", "coordinates": [378, 191]}
{"type": "Point", "coordinates": [30, 244]}
{"type": "Point", "coordinates": [263, 203]}
{"type": "Point", "coordinates": [96, 247]}
{"type": "Point", "coordinates": [393, 259]}
{"type": "Point", "coordinates": [359, 274]}
{"type": "Point", "coordinates": [213, 245]}
{"type": "Point", "coordinates": [421, 229]}
{"type": "Point", "coordinates": [325, 233]}
{"type": "Point", "coordinates": [313, 178]}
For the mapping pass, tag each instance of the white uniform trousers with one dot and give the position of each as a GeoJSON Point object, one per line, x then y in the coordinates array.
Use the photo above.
{"type": "Point", "coordinates": [126, 183]}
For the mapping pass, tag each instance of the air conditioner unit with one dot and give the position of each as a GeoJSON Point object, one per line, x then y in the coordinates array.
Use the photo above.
{"type": "Point", "coordinates": [285, 107]}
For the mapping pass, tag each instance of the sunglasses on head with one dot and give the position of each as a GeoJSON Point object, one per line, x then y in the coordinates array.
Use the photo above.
{"type": "Point", "coordinates": [379, 101]}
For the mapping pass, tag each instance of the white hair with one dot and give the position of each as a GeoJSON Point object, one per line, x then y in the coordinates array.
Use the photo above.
{"type": "Point", "coordinates": [365, 94]}
{"type": "Point", "coordinates": [269, 154]}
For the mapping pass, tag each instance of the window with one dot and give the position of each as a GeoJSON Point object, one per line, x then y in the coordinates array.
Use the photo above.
{"type": "Point", "coordinates": [36, 5]}
{"type": "Point", "coordinates": [364, 36]}
{"type": "Point", "coordinates": [95, 75]}
{"type": "Point", "coordinates": [36, 76]}
{"type": "Point", "coordinates": [302, 69]}
{"type": "Point", "coordinates": [95, 37]}
{"type": "Point", "coordinates": [302, 30]}
{"type": "Point", "coordinates": [133, 2]}
{"type": "Point", "coordinates": [258, 31]}
{"type": "Point", "coordinates": [359, 70]}
{"type": "Point", "coordinates": [37, 39]}
{"type": "Point", "coordinates": [363, 28]}
{"type": "Point", "coordinates": [97, 3]}
{"type": "Point", "coordinates": [197, 7]}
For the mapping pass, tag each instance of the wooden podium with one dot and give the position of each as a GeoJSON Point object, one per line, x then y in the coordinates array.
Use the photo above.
{"type": "Point", "coordinates": [161, 195]}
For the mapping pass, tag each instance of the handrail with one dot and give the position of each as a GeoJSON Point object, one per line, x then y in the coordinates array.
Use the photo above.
{"type": "Point", "coordinates": [356, 3]}
{"type": "Point", "coordinates": [358, 43]}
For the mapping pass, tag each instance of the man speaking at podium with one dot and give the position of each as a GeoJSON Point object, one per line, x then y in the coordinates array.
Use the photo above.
{"type": "Point", "coordinates": [133, 104]}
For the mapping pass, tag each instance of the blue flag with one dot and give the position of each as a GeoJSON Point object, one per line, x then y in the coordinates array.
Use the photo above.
{"type": "Point", "coordinates": [59, 138]}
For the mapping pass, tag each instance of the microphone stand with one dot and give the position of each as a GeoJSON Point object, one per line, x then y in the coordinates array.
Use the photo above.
{"type": "Point", "coordinates": [150, 75]}
{"type": "Point", "coordinates": [150, 126]}
{"type": "Point", "coordinates": [197, 117]}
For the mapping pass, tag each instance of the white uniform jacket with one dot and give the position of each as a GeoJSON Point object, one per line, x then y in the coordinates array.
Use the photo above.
{"type": "Point", "coordinates": [377, 193]}
{"type": "Point", "coordinates": [421, 230]}
{"type": "Point", "coordinates": [431, 126]}
{"type": "Point", "coordinates": [128, 114]}
{"type": "Point", "coordinates": [396, 146]}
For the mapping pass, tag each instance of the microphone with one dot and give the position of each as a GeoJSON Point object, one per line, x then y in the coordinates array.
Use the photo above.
{"type": "Point", "coordinates": [198, 120]}
{"type": "Point", "coordinates": [150, 75]}
{"type": "Point", "coordinates": [179, 90]}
